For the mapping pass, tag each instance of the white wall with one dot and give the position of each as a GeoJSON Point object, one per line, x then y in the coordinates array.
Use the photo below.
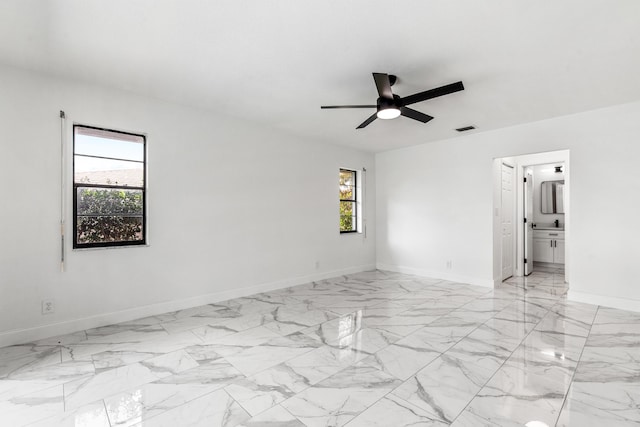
{"type": "Point", "coordinates": [435, 202]}
{"type": "Point", "coordinates": [233, 209]}
{"type": "Point", "coordinates": [543, 173]}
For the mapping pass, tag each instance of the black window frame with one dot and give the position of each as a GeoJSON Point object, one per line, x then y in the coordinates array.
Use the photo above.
{"type": "Point", "coordinates": [143, 190]}
{"type": "Point", "coordinates": [354, 200]}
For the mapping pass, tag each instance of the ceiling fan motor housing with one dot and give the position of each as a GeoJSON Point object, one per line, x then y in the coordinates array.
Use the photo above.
{"type": "Point", "coordinates": [386, 103]}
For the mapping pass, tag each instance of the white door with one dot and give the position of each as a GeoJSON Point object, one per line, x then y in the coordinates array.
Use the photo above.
{"type": "Point", "coordinates": [507, 221]}
{"type": "Point", "coordinates": [528, 225]}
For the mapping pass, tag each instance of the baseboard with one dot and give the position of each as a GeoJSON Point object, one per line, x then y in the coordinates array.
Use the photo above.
{"type": "Point", "coordinates": [614, 302]}
{"type": "Point", "coordinates": [20, 336]}
{"type": "Point", "coordinates": [487, 283]}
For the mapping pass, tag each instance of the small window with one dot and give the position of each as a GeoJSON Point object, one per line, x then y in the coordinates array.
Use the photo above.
{"type": "Point", "coordinates": [109, 171]}
{"type": "Point", "coordinates": [348, 201]}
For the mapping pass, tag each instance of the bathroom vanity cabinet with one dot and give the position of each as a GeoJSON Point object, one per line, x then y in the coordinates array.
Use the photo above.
{"type": "Point", "coordinates": [548, 246]}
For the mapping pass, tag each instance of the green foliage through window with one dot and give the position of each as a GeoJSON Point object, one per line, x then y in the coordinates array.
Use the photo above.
{"type": "Point", "coordinates": [348, 201]}
{"type": "Point", "coordinates": [108, 215]}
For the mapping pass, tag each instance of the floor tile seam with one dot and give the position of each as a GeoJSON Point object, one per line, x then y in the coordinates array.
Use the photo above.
{"type": "Point", "coordinates": [60, 353]}
{"type": "Point", "coordinates": [287, 410]}
{"type": "Point", "coordinates": [462, 338]}
{"type": "Point", "coordinates": [209, 322]}
{"type": "Point", "coordinates": [155, 376]}
{"type": "Point", "coordinates": [391, 300]}
{"type": "Point", "coordinates": [466, 336]}
{"type": "Point", "coordinates": [116, 348]}
{"type": "Point", "coordinates": [564, 401]}
{"type": "Point", "coordinates": [238, 332]}
{"type": "Point", "coordinates": [95, 368]}
{"type": "Point", "coordinates": [106, 412]}
{"type": "Point", "coordinates": [409, 404]}
{"type": "Point", "coordinates": [40, 420]}
{"type": "Point", "coordinates": [42, 390]}
{"type": "Point", "coordinates": [442, 419]}
{"type": "Point", "coordinates": [50, 386]}
{"type": "Point", "coordinates": [46, 365]}
{"type": "Point", "coordinates": [270, 367]}
{"type": "Point", "coordinates": [325, 308]}
{"type": "Point", "coordinates": [335, 343]}
{"type": "Point", "coordinates": [265, 410]}
{"type": "Point", "coordinates": [383, 302]}
{"type": "Point", "coordinates": [405, 336]}
{"type": "Point", "coordinates": [573, 318]}
{"type": "Point", "coordinates": [198, 338]}
{"type": "Point", "coordinates": [151, 355]}
{"type": "Point", "coordinates": [334, 374]}
{"type": "Point", "coordinates": [14, 396]}
{"type": "Point", "coordinates": [242, 406]}
{"type": "Point", "coordinates": [119, 345]}
{"type": "Point", "coordinates": [305, 327]}
{"type": "Point", "coordinates": [496, 371]}
{"type": "Point", "coordinates": [105, 398]}
{"type": "Point", "coordinates": [393, 343]}
{"type": "Point", "coordinates": [91, 338]}
{"type": "Point", "coordinates": [221, 389]}
{"type": "Point", "coordinates": [333, 413]}
{"type": "Point", "coordinates": [22, 356]}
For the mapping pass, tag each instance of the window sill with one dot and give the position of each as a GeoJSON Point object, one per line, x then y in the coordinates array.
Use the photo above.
{"type": "Point", "coordinates": [100, 248]}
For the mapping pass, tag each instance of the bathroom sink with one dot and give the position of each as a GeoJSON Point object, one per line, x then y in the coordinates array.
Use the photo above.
{"type": "Point", "coordinates": [549, 228]}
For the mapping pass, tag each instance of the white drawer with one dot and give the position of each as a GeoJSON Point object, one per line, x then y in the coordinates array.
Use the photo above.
{"type": "Point", "coordinates": [548, 234]}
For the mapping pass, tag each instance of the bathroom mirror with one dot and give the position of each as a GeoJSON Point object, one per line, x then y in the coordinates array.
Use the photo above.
{"type": "Point", "coordinates": [552, 197]}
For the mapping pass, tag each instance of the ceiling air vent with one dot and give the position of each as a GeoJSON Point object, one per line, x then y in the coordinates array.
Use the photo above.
{"type": "Point", "coordinates": [466, 128]}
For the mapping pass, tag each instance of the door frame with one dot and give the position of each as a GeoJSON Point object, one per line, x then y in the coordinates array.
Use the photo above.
{"type": "Point", "coordinates": [527, 247]}
{"type": "Point", "coordinates": [520, 161]}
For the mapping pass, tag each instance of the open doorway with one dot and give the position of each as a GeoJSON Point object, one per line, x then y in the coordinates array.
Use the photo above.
{"type": "Point", "coordinates": [544, 218]}
{"type": "Point", "coordinates": [531, 217]}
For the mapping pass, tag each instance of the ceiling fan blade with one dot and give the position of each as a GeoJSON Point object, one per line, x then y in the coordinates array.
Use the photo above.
{"type": "Point", "coordinates": [432, 93]}
{"type": "Point", "coordinates": [368, 121]}
{"type": "Point", "coordinates": [415, 115]}
{"type": "Point", "coordinates": [383, 84]}
{"type": "Point", "coordinates": [347, 106]}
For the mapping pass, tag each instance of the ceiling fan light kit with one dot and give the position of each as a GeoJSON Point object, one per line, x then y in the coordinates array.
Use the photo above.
{"type": "Point", "coordinates": [388, 113]}
{"type": "Point", "coordinates": [390, 106]}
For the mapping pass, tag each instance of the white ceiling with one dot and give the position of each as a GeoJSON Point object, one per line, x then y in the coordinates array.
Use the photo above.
{"type": "Point", "coordinates": [276, 61]}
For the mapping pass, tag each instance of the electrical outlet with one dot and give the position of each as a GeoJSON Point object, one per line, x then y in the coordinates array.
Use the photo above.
{"type": "Point", "coordinates": [449, 264]}
{"type": "Point", "coordinates": [317, 265]}
{"type": "Point", "coordinates": [48, 307]}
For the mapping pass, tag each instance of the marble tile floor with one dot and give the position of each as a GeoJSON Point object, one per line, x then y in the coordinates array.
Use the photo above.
{"type": "Point", "coordinates": [368, 349]}
{"type": "Point", "coordinates": [547, 267]}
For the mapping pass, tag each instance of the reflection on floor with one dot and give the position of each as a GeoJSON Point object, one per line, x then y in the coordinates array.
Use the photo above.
{"type": "Point", "coordinates": [547, 267]}
{"type": "Point", "coordinates": [369, 349]}
{"type": "Point", "coordinates": [551, 282]}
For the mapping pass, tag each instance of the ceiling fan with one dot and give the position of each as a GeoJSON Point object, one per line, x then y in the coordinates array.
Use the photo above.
{"type": "Point", "coordinates": [390, 106]}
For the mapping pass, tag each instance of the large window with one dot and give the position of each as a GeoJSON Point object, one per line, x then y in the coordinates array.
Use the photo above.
{"type": "Point", "coordinates": [348, 201]}
{"type": "Point", "coordinates": [109, 171]}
